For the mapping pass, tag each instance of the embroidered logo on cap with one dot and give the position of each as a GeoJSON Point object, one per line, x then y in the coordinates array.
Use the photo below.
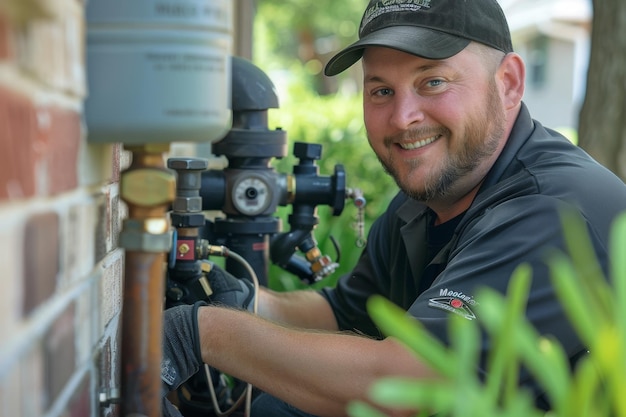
{"type": "Point", "coordinates": [391, 6]}
{"type": "Point", "coordinates": [454, 302]}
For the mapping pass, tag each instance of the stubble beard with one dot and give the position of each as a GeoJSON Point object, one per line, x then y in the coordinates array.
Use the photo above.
{"type": "Point", "coordinates": [484, 132]}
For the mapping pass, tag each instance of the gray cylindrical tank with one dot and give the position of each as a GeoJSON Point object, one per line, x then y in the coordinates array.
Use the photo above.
{"type": "Point", "coordinates": [158, 70]}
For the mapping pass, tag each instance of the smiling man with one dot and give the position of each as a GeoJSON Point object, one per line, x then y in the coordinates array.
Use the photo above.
{"type": "Point", "coordinates": [482, 185]}
{"type": "Point", "coordinates": [438, 127]}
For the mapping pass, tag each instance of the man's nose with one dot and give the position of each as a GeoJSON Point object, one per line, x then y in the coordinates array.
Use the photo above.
{"type": "Point", "coordinates": [408, 110]}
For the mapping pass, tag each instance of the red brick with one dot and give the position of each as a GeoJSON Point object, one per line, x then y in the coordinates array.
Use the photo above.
{"type": "Point", "coordinates": [6, 50]}
{"type": "Point", "coordinates": [33, 136]}
{"type": "Point", "coordinates": [59, 354]}
{"type": "Point", "coordinates": [18, 136]}
{"type": "Point", "coordinates": [80, 403]}
{"type": "Point", "coordinates": [41, 259]}
{"type": "Point", "coordinates": [62, 138]}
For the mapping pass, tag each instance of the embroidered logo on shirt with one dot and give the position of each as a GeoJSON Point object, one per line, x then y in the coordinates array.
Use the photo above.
{"type": "Point", "coordinates": [455, 302]}
{"type": "Point", "coordinates": [168, 372]}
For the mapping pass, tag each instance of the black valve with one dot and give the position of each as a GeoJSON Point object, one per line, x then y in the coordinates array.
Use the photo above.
{"type": "Point", "coordinates": [249, 191]}
{"type": "Point", "coordinates": [186, 283]}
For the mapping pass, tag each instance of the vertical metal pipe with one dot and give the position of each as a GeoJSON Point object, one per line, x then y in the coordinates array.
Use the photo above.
{"type": "Point", "coordinates": [142, 334]}
{"type": "Point", "coordinates": [148, 189]}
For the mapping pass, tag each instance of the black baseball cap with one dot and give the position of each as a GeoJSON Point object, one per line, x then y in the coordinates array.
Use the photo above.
{"type": "Point", "coordinates": [433, 29]}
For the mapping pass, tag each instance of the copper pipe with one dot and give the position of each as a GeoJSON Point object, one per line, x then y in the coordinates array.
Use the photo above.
{"type": "Point", "coordinates": [148, 189]}
{"type": "Point", "coordinates": [142, 334]}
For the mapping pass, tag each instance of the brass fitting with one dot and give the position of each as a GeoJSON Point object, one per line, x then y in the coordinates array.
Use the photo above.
{"type": "Point", "coordinates": [147, 183]}
{"type": "Point", "coordinates": [291, 188]}
{"type": "Point", "coordinates": [148, 187]}
{"type": "Point", "coordinates": [321, 265]}
{"type": "Point", "coordinates": [313, 254]}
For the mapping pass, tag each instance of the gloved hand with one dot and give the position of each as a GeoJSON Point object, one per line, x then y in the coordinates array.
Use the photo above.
{"type": "Point", "coordinates": [181, 346]}
{"type": "Point", "coordinates": [168, 409]}
{"type": "Point", "coordinates": [228, 290]}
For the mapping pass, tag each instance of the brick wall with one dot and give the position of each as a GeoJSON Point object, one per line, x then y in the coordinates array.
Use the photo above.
{"type": "Point", "coordinates": [60, 216]}
{"type": "Point", "coordinates": [59, 219]}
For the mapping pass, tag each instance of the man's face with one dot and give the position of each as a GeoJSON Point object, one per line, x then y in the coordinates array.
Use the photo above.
{"type": "Point", "coordinates": [434, 125]}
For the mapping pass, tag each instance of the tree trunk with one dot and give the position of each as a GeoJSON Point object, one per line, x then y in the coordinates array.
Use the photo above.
{"type": "Point", "coordinates": [602, 126]}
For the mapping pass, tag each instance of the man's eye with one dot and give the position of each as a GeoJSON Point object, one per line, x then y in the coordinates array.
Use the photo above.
{"type": "Point", "coordinates": [435, 83]}
{"type": "Point", "coordinates": [383, 92]}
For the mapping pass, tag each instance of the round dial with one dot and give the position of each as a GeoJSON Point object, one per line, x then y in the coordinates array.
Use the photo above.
{"type": "Point", "coordinates": [251, 195]}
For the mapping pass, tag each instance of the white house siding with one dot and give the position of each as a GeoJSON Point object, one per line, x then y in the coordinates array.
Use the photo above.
{"type": "Point", "coordinates": [552, 102]}
{"type": "Point", "coordinates": [566, 25]}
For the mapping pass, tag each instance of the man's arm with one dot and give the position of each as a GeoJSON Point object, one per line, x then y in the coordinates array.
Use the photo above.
{"type": "Point", "coordinates": [306, 309]}
{"type": "Point", "coordinates": [314, 371]}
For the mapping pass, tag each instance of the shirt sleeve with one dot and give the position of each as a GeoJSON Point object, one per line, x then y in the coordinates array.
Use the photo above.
{"type": "Point", "coordinates": [371, 275]}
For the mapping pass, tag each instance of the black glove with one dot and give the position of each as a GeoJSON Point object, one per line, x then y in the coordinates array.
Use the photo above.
{"type": "Point", "coordinates": [181, 346]}
{"type": "Point", "coordinates": [228, 290]}
{"type": "Point", "coordinates": [168, 409]}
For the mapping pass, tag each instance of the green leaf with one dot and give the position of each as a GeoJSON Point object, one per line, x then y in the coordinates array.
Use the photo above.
{"type": "Point", "coordinates": [465, 342]}
{"type": "Point", "coordinates": [584, 390]}
{"type": "Point", "coordinates": [407, 393]}
{"type": "Point", "coordinates": [361, 409]}
{"type": "Point", "coordinates": [585, 264]}
{"type": "Point", "coordinates": [573, 296]}
{"type": "Point", "coordinates": [579, 245]}
{"type": "Point", "coordinates": [544, 358]}
{"type": "Point", "coordinates": [618, 274]}
{"type": "Point", "coordinates": [394, 321]}
{"type": "Point", "coordinates": [503, 362]}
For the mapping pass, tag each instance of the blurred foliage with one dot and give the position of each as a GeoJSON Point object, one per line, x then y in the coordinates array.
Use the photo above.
{"type": "Point", "coordinates": [335, 122]}
{"type": "Point", "coordinates": [292, 40]}
{"type": "Point", "coordinates": [569, 133]}
{"type": "Point", "coordinates": [297, 38]}
{"type": "Point", "coordinates": [595, 388]}
{"type": "Point", "coordinates": [283, 28]}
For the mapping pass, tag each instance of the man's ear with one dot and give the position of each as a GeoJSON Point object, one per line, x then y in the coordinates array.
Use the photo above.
{"type": "Point", "coordinates": [511, 76]}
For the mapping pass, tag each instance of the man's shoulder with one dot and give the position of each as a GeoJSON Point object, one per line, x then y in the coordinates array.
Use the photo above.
{"type": "Point", "coordinates": [541, 158]}
{"type": "Point", "coordinates": [559, 166]}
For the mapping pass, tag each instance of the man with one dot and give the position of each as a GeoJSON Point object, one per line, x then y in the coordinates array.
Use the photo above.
{"type": "Point", "coordinates": [482, 188]}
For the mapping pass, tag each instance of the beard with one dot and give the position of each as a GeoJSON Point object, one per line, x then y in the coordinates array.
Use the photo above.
{"type": "Point", "coordinates": [484, 131]}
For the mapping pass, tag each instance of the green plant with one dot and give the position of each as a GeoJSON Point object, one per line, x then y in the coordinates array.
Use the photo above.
{"type": "Point", "coordinates": [336, 123]}
{"type": "Point", "coordinates": [594, 389]}
{"type": "Point", "coordinates": [307, 112]}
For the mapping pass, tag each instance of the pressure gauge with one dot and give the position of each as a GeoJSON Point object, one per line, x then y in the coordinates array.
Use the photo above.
{"type": "Point", "coordinates": [252, 195]}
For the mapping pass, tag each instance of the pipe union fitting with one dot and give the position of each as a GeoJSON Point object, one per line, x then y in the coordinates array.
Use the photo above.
{"type": "Point", "coordinates": [146, 235]}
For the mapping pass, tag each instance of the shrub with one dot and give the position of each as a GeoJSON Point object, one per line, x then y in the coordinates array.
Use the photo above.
{"type": "Point", "coordinates": [595, 388]}
{"type": "Point", "coordinates": [335, 122]}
